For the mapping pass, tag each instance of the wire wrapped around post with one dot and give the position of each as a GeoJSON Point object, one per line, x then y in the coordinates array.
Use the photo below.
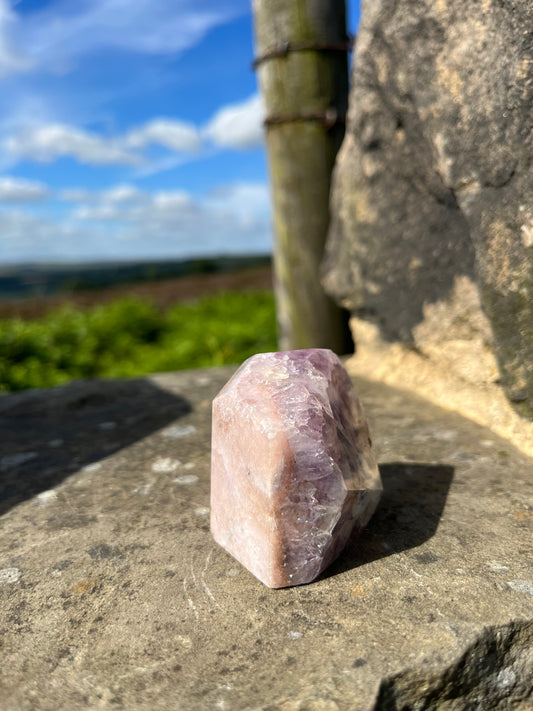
{"type": "Point", "coordinates": [283, 49]}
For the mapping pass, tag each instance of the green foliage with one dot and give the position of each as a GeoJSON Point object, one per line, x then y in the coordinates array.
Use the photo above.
{"type": "Point", "coordinates": [131, 337]}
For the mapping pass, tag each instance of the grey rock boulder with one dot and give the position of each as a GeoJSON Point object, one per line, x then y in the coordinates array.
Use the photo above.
{"type": "Point", "coordinates": [434, 180]}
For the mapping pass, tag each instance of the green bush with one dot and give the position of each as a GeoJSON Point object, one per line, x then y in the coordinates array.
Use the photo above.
{"type": "Point", "coordinates": [131, 337]}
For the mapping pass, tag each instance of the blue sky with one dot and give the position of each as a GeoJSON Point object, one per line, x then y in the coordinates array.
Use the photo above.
{"type": "Point", "coordinates": [130, 129]}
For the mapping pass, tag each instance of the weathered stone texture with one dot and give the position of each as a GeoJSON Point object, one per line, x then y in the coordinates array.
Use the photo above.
{"type": "Point", "coordinates": [113, 594]}
{"type": "Point", "coordinates": [434, 179]}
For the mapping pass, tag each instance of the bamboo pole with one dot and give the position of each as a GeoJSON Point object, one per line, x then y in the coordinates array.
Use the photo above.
{"type": "Point", "coordinates": [302, 66]}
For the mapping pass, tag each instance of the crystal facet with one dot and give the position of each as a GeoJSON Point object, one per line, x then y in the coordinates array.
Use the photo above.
{"type": "Point", "coordinates": [293, 476]}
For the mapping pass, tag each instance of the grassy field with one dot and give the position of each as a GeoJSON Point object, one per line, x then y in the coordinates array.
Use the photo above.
{"type": "Point", "coordinates": [132, 336]}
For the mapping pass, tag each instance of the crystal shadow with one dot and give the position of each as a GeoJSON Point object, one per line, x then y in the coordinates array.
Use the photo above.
{"type": "Point", "coordinates": [47, 435]}
{"type": "Point", "coordinates": [414, 496]}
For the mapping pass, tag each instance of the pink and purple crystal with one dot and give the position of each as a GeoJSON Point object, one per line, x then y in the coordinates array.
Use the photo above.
{"type": "Point", "coordinates": [293, 476]}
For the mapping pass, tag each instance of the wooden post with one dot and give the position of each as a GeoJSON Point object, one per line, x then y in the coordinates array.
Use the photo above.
{"type": "Point", "coordinates": [301, 58]}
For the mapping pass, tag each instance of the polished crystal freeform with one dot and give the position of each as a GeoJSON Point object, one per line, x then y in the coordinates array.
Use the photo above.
{"type": "Point", "coordinates": [293, 476]}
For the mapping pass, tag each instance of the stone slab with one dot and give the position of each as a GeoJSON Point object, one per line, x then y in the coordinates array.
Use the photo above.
{"type": "Point", "coordinates": [113, 594]}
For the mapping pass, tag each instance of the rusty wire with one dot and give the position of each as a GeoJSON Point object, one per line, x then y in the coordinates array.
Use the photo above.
{"type": "Point", "coordinates": [328, 118]}
{"type": "Point", "coordinates": [284, 48]}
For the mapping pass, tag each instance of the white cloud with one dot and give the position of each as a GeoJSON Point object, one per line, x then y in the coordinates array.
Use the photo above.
{"type": "Point", "coordinates": [56, 36]}
{"type": "Point", "coordinates": [129, 205]}
{"type": "Point", "coordinates": [171, 134]}
{"type": "Point", "coordinates": [172, 200]}
{"type": "Point", "coordinates": [161, 225]}
{"type": "Point", "coordinates": [121, 202]}
{"type": "Point", "coordinates": [238, 125]}
{"type": "Point", "coordinates": [122, 193]}
{"type": "Point", "coordinates": [11, 59]}
{"type": "Point", "coordinates": [47, 143]}
{"type": "Point", "coordinates": [125, 222]}
{"type": "Point", "coordinates": [98, 212]}
{"type": "Point", "coordinates": [19, 230]}
{"type": "Point", "coordinates": [18, 190]}
{"type": "Point", "coordinates": [29, 237]}
{"type": "Point", "coordinates": [245, 201]}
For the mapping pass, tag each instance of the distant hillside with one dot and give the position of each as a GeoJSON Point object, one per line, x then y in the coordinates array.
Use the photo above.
{"type": "Point", "coordinates": [27, 281]}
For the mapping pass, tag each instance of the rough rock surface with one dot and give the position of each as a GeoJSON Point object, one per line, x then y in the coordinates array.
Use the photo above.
{"type": "Point", "coordinates": [293, 475]}
{"type": "Point", "coordinates": [113, 594]}
{"type": "Point", "coordinates": [436, 171]}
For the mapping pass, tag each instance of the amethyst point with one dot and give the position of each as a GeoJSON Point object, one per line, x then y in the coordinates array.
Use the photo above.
{"type": "Point", "coordinates": [293, 476]}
